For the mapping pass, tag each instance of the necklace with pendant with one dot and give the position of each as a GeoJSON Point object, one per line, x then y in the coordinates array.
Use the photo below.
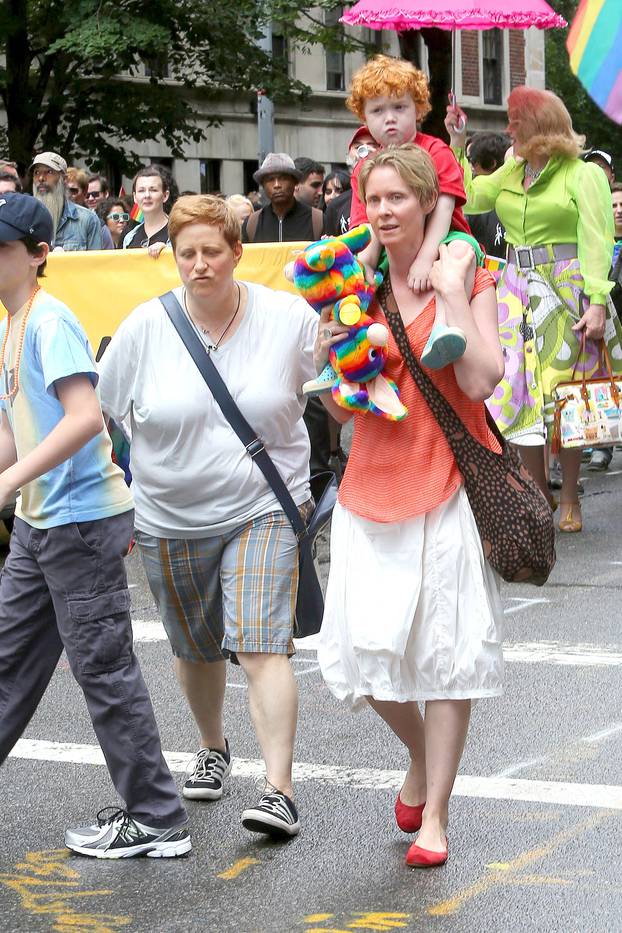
{"type": "Point", "coordinates": [203, 331]}
{"type": "Point", "coordinates": [20, 343]}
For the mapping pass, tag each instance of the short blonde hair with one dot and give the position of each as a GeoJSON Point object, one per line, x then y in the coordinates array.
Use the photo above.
{"type": "Point", "coordinates": [392, 77]}
{"type": "Point", "coordinates": [204, 209]}
{"type": "Point", "coordinates": [545, 124]}
{"type": "Point", "coordinates": [412, 164]}
{"type": "Point", "coordinates": [238, 199]}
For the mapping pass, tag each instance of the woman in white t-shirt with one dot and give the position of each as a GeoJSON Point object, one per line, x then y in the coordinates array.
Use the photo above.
{"type": "Point", "coordinates": [219, 553]}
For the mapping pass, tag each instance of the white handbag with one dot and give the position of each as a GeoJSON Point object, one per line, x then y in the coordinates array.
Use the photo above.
{"type": "Point", "coordinates": [587, 411]}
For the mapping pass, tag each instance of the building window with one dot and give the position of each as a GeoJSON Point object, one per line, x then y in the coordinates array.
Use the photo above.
{"type": "Point", "coordinates": [250, 166]}
{"type": "Point", "coordinates": [210, 176]}
{"type": "Point", "coordinates": [492, 61]}
{"type": "Point", "coordinates": [335, 70]}
{"type": "Point", "coordinates": [280, 52]}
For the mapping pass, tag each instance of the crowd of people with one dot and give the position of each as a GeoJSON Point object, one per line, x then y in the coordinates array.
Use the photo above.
{"type": "Point", "coordinates": [413, 613]}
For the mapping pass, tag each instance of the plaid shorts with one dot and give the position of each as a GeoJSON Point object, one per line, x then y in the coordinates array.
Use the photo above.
{"type": "Point", "coordinates": [226, 594]}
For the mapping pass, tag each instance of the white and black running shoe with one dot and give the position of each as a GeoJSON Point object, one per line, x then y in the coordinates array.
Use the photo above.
{"type": "Point", "coordinates": [275, 815]}
{"type": "Point", "coordinates": [118, 835]}
{"type": "Point", "coordinates": [206, 774]}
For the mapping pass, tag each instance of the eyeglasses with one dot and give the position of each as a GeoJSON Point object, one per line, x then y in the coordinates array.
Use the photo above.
{"type": "Point", "coordinates": [116, 216]}
{"type": "Point", "coordinates": [73, 190]}
{"type": "Point", "coordinates": [91, 195]}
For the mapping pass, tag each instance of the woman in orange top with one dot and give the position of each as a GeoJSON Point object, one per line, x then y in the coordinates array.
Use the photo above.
{"type": "Point", "coordinates": [412, 607]}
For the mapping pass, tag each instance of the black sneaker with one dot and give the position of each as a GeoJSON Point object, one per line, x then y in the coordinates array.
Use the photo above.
{"type": "Point", "coordinates": [207, 773]}
{"type": "Point", "coordinates": [275, 815]}
{"type": "Point", "coordinates": [118, 835]}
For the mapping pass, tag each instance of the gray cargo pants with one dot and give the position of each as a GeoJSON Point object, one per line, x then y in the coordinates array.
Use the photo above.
{"type": "Point", "coordinates": [66, 587]}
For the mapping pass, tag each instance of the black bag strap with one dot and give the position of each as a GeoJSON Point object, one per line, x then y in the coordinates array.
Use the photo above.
{"type": "Point", "coordinates": [253, 444]}
{"type": "Point", "coordinates": [436, 401]}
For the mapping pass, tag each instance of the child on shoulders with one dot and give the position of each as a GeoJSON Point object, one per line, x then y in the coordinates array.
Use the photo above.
{"type": "Point", "coordinates": [391, 96]}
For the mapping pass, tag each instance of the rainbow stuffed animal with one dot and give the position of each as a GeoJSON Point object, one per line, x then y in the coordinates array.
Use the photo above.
{"type": "Point", "coordinates": [328, 272]}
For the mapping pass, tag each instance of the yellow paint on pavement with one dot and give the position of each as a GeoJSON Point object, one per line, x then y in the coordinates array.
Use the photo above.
{"type": "Point", "coordinates": [379, 921]}
{"type": "Point", "coordinates": [46, 886]}
{"type": "Point", "coordinates": [500, 876]}
{"type": "Point", "coordinates": [360, 920]}
{"type": "Point", "coordinates": [539, 880]}
{"type": "Point", "coordinates": [237, 868]}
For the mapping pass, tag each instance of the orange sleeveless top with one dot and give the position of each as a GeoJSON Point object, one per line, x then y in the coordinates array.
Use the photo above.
{"type": "Point", "coordinates": [397, 470]}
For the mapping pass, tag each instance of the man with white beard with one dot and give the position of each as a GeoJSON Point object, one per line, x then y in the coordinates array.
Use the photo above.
{"type": "Point", "coordinates": [75, 227]}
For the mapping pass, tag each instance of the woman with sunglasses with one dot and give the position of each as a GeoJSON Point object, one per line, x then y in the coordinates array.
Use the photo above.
{"type": "Point", "coordinates": [115, 214]}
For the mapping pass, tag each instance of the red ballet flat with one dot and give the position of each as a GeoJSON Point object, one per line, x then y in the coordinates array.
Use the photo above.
{"type": "Point", "coordinates": [408, 818]}
{"type": "Point", "coordinates": [425, 858]}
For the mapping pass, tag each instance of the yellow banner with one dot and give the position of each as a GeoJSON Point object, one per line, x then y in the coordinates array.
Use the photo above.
{"type": "Point", "coordinates": [102, 287]}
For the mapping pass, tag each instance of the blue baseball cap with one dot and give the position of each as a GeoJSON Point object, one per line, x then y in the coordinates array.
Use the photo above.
{"type": "Point", "coordinates": [22, 215]}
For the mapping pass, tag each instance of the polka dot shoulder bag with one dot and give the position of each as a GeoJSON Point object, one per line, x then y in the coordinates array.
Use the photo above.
{"type": "Point", "coordinates": [513, 518]}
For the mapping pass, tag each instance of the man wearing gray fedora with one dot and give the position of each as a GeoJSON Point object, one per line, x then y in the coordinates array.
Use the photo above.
{"type": "Point", "coordinates": [284, 218]}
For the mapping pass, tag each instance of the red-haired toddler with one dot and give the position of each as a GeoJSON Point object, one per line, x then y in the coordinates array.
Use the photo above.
{"type": "Point", "coordinates": [390, 95]}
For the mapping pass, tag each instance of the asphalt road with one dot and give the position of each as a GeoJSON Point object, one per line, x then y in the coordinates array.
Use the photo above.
{"type": "Point", "coordinates": [536, 823]}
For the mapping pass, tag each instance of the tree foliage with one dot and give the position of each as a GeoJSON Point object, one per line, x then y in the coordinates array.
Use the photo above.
{"type": "Point", "coordinates": [73, 73]}
{"type": "Point", "coordinates": [587, 118]}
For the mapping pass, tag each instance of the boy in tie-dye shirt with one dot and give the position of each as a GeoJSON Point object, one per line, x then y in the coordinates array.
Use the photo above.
{"type": "Point", "coordinates": [63, 584]}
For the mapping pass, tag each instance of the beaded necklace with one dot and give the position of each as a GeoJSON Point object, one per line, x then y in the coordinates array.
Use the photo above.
{"type": "Point", "coordinates": [20, 344]}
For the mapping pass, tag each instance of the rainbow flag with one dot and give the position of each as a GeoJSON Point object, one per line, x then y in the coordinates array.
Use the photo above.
{"type": "Point", "coordinates": [594, 45]}
{"type": "Point", "coordinates": [136, 214]}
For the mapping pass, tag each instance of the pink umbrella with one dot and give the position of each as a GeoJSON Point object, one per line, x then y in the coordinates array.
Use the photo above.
{"type": "Point", "coordinates": [453, 14]}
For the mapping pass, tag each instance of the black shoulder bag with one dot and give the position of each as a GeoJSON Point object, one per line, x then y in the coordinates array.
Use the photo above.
{"type": "Point", "coordinates": [310, 601]}
{"type": "Point", "coordinates": [513, 518]}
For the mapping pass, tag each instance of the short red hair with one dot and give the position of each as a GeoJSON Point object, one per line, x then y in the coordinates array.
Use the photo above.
{"type": "Point", "coordinates": [390, 77]}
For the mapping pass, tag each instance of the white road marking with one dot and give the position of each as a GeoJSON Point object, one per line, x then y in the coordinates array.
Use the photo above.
{"type": "Point", "coordinates": [553, 652]}
{"type": "Point", "coordinates": [493, 788]}
{"type": "Point", "coordinates": [603, 734]}
{"type": "Point", "coordinates": [593, 739]}
{"type": "Point", "coordinates": [523, 602]}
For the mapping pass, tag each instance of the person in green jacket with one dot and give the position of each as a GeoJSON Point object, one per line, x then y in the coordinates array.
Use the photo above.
{"type": "Point", "coordinates": [554, 290]}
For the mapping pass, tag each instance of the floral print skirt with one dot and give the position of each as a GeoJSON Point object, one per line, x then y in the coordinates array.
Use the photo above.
{"type": "Point", "coordinates": [537, 310]}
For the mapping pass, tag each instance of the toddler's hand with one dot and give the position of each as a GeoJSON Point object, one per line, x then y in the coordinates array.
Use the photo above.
{"type": "Point", "coordinates": [419, 276]}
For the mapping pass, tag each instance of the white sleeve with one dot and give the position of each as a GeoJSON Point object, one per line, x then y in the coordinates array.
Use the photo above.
{"type": "Point", "coordinates": [118, 369]}
{"type": "Point", "coordinates": [309, 323]}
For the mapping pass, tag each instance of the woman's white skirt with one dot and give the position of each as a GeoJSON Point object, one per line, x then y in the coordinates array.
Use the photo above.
{"type": "Point", "coordinates": [412, 609]}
